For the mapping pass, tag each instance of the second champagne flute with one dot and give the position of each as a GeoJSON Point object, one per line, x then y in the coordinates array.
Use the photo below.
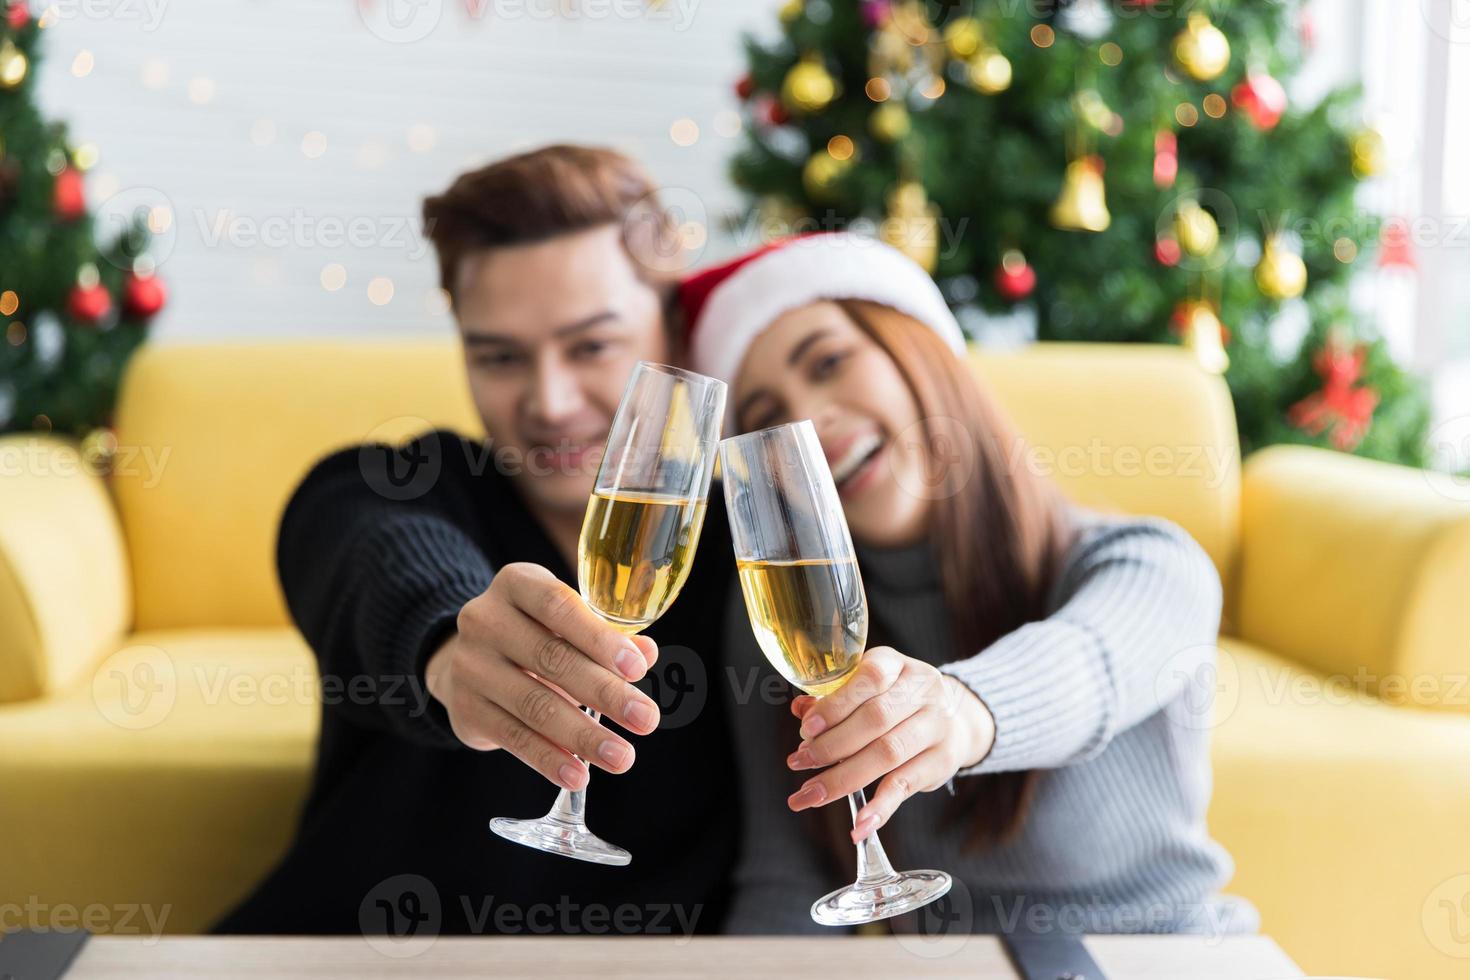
{"type": "Point", "coordinates": [637, 544]}
{"type": "Point", "coordinates": [805, 599]}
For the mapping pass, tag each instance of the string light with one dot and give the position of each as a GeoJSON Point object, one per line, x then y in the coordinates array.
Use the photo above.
{"type": "Point", "coordinates": [334, 276]}
{"type": "Point", "coordinates": [82, 64]}
{"type": "Point", "coordinates": [1110, 54]}
{"type": "Point", "coordinates": [201, 90]}
{"type": "Point", "coordinates": [1345, 250]}
{"type": "Point", "coordinates": [840, 147]}
{"type": "Point", "coordinates": [9, 302]}
{"type": "Point", "coordinates": [878, 89]}
{"type": "Point", "coordinates": [1214, 106]}
{"type": "Point", "coordinates": [314, 144]}
{"type": "Point", "coordinates": [1043, 36]}
{"type": "Point", "coordinates": [1186, 114]}
{"type": "Point", "coordinates": [684, 132]}
{"type": "Point", "coordinates": [380, 291]}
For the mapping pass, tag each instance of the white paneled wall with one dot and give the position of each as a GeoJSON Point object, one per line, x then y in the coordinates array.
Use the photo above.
{"type": "Point", "coordinates": [288, 138]}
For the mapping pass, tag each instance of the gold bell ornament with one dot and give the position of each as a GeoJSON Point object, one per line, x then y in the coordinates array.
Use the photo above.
{"type": "Point", "coordinates": [890, 122]}
{"type": "Point", "coordinates": [1205, 335]}
{"type": "Point", "coordinates": [912, 224]}
{"type": "Point", "coordinates": [808, 86]}
{"type": "Point", "coordinates": [963, 36]}
{"type": "Point", "coordinates": [1281, 274]}
{"type": "Point", "coordinates": [1369, 150]}
{"type": "Point", "coordinates": [822, 171]}
{"type": "Point", "coordinates": [1196, 229]}
{"type": "Point", "coordinates": [1082, 204]}
{"type": "Point", "coordinates": [13, 65]}
{"type": "Point", "coordinates": [1201, 50]}
{"type": "Point", "coordinates": [990, 71]}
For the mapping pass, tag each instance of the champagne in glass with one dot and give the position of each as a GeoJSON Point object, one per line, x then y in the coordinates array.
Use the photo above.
{"type": "Point", "coordinates": [638, 539]}
{"type": "Point", "coordinates": [804, 595]}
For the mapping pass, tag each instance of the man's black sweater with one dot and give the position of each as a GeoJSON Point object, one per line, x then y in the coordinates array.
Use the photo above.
{"type": "Point", "coordinates": [378, 550]}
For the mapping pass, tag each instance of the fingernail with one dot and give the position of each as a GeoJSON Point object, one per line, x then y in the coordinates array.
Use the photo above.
{"type": "Point", "coordinates": [571, 776]}
{"type": "Point", "coordinates": [809, 795]}
{"type": "Point", "coordinates": [800, 759]}
{"type": "Point", "coordinates": [613, 753]}
{"type": "Point", "coordinates": [630, 663]}
{"type": "Point", "coordinates": [813, 726]}
{"type": "Point", "coordinates": [864, 827]}
{"type": "Point", "coordinates": [641, 715]}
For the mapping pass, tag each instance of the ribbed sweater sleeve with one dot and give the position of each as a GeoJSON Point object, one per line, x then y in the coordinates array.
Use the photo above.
{"type": "Point", "coordinates": [1136, 611]}
{"type": "Point", "coordinates": [375, 561]}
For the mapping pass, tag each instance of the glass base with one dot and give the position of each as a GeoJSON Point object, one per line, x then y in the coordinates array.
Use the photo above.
{"type": "Point", "coordinates": [882, 899]}
{"type": "Point", "coordinates": [556, 836]}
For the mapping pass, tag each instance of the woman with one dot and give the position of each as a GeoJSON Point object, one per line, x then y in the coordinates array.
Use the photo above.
{"type": "Point", "coordinates": [1027, 654]}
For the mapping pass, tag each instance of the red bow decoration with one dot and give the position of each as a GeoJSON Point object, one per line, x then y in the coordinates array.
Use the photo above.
{"type": "Point", "coordinates": [1340, 407]}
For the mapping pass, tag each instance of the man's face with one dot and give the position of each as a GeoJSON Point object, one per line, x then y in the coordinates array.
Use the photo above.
{"type": "Point", "coordinates": [551, 333]}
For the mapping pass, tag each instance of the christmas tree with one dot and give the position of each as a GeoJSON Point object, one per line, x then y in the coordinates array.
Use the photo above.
{"type": "Point", "coordinates": [72, 309]}
{"type": "Point", "coordinates": [1129, 170]}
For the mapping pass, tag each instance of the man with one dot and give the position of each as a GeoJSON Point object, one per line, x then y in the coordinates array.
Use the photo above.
{"type": "Point", "coordinates": [448, 567]}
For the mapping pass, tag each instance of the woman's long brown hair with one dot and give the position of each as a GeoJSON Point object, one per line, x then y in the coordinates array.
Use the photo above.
{"type": "Point", "coordinates": [999, 538]}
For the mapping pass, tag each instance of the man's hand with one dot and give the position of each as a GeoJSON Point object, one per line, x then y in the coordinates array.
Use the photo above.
{"type": "Point", "coordinates": [528, 651]}
{"type": "Point", "coordinates": [897, 719]}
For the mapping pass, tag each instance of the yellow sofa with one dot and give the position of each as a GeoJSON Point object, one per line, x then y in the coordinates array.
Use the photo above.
{"type": "Point", "coordinates": [158, 713]}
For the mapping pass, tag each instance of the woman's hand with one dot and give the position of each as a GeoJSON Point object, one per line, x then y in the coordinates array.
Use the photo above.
{"type": "Point", "coordinates": [896, 718]}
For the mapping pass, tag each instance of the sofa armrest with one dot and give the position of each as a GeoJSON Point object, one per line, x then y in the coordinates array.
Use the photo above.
{"type": "Point", "coordinates": [65, 593]}
{"type": "Point", "coordinates": [1360, 569]}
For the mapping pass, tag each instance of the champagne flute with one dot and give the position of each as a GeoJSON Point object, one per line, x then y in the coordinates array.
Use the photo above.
{"type": "Point", "coordinates": [636, 547]}
{"type": "Point", "coordinates": [805, 599]}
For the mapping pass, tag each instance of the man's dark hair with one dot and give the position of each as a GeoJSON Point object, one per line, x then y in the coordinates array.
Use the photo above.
{"type": "Point", "coordinates": [552, 191]}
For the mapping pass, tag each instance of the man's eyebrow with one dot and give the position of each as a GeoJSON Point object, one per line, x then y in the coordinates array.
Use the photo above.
{"type": "Point", "coordinates": [566, 330]}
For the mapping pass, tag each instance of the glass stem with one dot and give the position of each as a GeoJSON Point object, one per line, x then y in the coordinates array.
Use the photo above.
{"type": "Point", "coordinates": [872, 864]}
{"type": "Point", "coordinates": [571, 805]}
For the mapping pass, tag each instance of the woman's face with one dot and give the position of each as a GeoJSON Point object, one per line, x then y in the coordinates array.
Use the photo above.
{"type": "Point", "coordinates": [815, 362]}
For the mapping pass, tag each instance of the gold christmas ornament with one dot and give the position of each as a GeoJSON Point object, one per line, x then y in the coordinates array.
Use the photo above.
{"type": "Point", "coordinates": [1281, 274]}
{"type": "Point", "coordinates": [1369, 150]}
{"type": "Point", "coordinates": [990, 72]}
{"type": "Point", "coordinates": [808, 86]}
{"type": "Point", "coordinates": [963, 36]}
{"type": "Point", "coordinates": [912, 224]}
{"type": "Point", "coordinates": [821, 173]}
{"type": "Point", "coordinates": [13, 65]}
{"type": "Point", "coordinates": [1201, 50]}
{"type": "Point", "coordinates": [1196, 229]}
{"type": "Point", "coordinates": [1205, 335]}
{"type": "Point", "coordinates": [98, 449]}
{"type": "Point", "coordinates": [791, 10]}
{"type": "Point", "coordinates": [1082, 204]}
{"type": "Point", "coordinates": [889, 122]}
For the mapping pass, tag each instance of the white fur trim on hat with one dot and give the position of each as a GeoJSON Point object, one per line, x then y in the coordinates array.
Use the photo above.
{"type": "Point", "coordinates": [804, 270]}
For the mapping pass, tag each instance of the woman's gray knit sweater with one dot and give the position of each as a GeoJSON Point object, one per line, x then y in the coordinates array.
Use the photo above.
{"type": "Point", "coordinates": [1108, 696]}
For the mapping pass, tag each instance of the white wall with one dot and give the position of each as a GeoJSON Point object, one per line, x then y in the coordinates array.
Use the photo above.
{"type": "Point", "coordinates": [399, 119]}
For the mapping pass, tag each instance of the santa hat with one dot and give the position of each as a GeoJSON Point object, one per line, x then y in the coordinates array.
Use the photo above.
{"type": "Point", "coordinates": [726, 307]}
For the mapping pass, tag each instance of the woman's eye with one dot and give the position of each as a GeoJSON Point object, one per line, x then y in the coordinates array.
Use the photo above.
{"type": "Point", "coordinates": [827, 364]}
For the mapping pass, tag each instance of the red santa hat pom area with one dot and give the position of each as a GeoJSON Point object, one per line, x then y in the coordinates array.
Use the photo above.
{"type": "Point", "coordinates": [726, 307]}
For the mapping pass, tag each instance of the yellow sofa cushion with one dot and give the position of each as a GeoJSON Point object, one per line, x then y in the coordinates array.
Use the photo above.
{"type": "Point", "coordinates": [167, 780]}
{"type": "Point", "coordinates": [64, 591]}
{"type": "Point", "coordinates": [237, 426]}
{"type": "Point", "coordinates": [1359, 568]}
{"type": "Point", "coordinates": [1311, 775]}
{"type": "Point", "coordinates": [1138, 428]}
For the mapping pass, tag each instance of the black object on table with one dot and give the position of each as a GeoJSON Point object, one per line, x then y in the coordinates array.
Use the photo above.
{"type": "Point", "coordinates": [1050, 956]}
{"type": "Point", "coordinates": [39, 955]}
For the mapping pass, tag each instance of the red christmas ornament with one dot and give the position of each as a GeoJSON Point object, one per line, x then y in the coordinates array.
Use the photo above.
{"type": "Point", "coordinates": [744, 87]}
{"type": "Point", "coordinates": [875, 13]}
{"type": "Point", "coordinates": [1339, 407]}
{"type": "Point", "coordinates": [1396, 251]}
{"type": "Point", "coordinates": [1167, 251]}
{"type": "Point", "coordinates": [17, 15]}
{"type": "Point", "coordinates": [68, 197]}
{"type": "Point", "coordinates": [1261, 98]}
{"type": "Point", "coordinates": [143, 296]}
{"type": "Point", "coordinates": [772, 112]}
{"type": "Point", "coordinates": [89, 304]}
{"type": "Point", "coordinates": [1166, 158]}
{"type": "Point", "coordinates": [1015, 279]}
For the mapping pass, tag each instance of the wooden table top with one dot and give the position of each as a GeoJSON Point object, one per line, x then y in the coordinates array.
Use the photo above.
{"type": "Point", "coordinates": [840, 958]}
